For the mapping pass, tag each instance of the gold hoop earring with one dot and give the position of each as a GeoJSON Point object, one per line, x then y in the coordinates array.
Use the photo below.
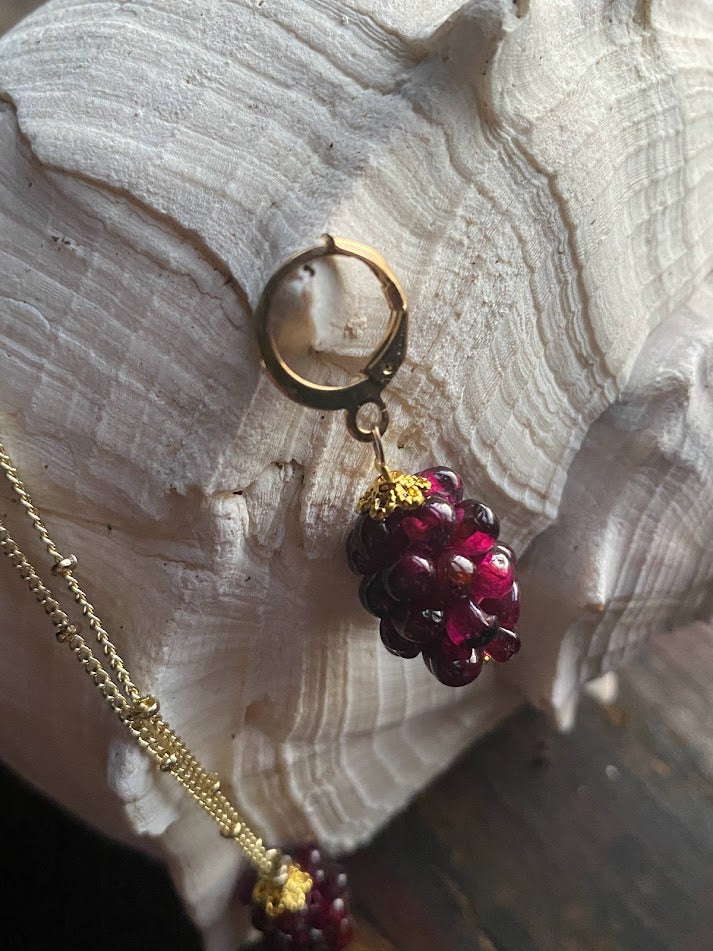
{"type": "Point", "coordinates": [383, 362]}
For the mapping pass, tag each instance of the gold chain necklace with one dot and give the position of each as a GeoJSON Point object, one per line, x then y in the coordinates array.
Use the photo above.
{"type": "Point", "coordinates": [282, 885]}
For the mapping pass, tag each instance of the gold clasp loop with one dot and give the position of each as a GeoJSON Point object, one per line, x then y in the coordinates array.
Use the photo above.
{"type": "Point", "coordinates": [382, 364]}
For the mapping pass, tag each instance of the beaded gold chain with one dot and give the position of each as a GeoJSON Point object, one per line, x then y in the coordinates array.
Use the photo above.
{"type": "Point", "coordinates": [282, 885]}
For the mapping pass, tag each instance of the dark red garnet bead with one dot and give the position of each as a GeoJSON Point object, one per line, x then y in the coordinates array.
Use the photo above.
{"type": "Point", "coordinates": [455, 575]}
{"type": "Point", "coordinates": [419, 625]}
{"type": "Point", "coordinates": [439, 580]}
{"type": "Point", "coordinates": [506, 608]}
{"type": "Point", "coordinates": [444, 482]}
{"type": "Point", "coordinates": [368, 546]}
{"type": "Point", "coordinates": [412, 577]}
{"type": "Point", "coordinates": [495, 575]}
{"type": "Point", "coordinates": [503, 645]}
{"type": "Point", "coordinates": [428, 526]}
{"type": "Point", "coordinates": [324, 924]}
{"type": "Point", "coordinates": [454, 666]}
{"type": "Point", "coordinates": [394, 642]}
{"type": "Point", "coordinates": [467, 623]}
{"type": "Point", "coordinates": [473, 516]}
{"type": "Point", "coordinates": [373, 596]}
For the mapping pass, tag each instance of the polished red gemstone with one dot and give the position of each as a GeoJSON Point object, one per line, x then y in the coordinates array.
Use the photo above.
{"type": "Point", "coordinates": [373, 596]}
{"type": "Point", "coordinates": [474, 546]}
{"type": "Point", "coordinates": [510, 553]}
{"type": "Point", "coordinates": [455, 575]}
{"type": "Point", "coordinates": [394, 642]}
{"type": "Point", "coordinates": [334, 914]}
{"type": "Point", "coordinates": [453, 666]}
{"type": "Point", "coordinates": [445, 482]}
{"type": "Point", "coordinates": [325, 923]}
{"type": "Point", "coordinates": [494, 575]}
{"type": "Point", "coordinates": [346, 934]}
{"type": "Point", "coordinates": [472, 516]}
{"type": "Point", "coordinates": [465, 622]}
{"type": "Point", "coordinates": [504, 645]}
{"type": "Point", "coordinates": [335, 884]}
{"type": "Point", "coordinates": [430, 525]}
{"type": "Point", "coordinates": [411, 578]}
{"type": "Point", "coordinates": [367, 557]}
{"type": "Point", "coordinates": [372, 544]}
{"type": "Point", "coordinates": [506, 608]}
{"type": "Point", "coordinates": [418, 625]}
{"type": "Point", "coordinates": [376, 539]}
{"type": "Point", "coordinates": [356, 556]}
{"type": "Point", "coordinates": [439, 580]}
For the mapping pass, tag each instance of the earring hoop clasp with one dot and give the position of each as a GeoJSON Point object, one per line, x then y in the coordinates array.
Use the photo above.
{"type": "Point", "coordinates": [383, 362]}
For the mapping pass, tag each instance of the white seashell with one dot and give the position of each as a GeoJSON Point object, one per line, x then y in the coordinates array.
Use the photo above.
{"type": "Point", "coordinates": [538, 175]}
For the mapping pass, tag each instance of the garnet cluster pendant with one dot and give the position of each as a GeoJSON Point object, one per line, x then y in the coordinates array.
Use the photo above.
{"type": "Point", "coordinates": [435, 573]}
